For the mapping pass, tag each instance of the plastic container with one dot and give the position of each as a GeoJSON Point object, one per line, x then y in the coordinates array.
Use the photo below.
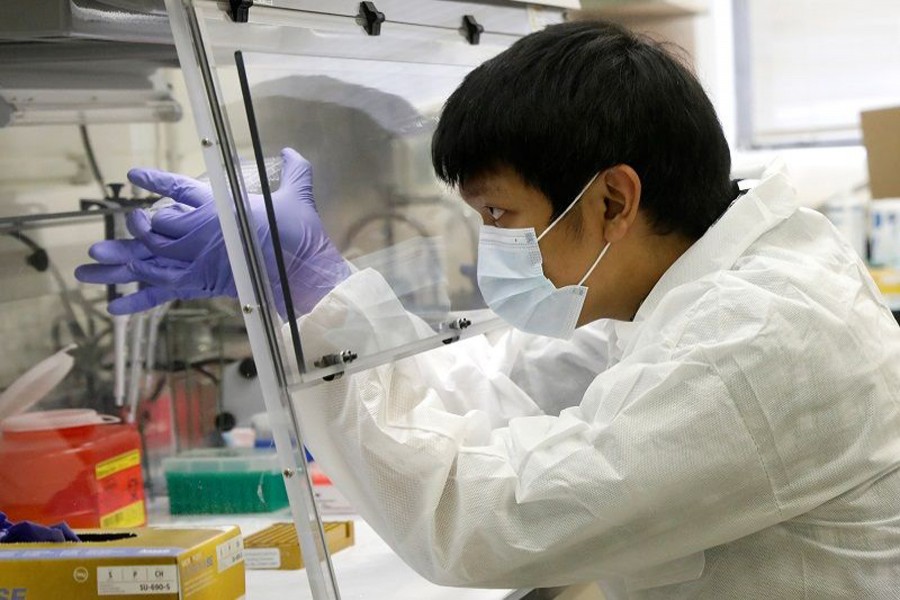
{"type": "Point", "coordinates": [71, 465]}
{"type": "Point", "coordinates": [226, 480]}
{"type": "Point", "coordinates": [884, 235]}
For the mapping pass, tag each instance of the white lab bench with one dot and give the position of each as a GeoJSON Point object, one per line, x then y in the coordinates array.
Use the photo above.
{"type": "Point", "coordinates": [364, 570]}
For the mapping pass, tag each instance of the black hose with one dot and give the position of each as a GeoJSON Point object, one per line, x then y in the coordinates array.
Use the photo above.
{"type": "Point", "coordinates": [40, 260]}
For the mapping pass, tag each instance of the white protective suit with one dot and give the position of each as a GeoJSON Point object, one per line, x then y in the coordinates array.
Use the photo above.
{"type": "Point", "coordinates": [739, 439]}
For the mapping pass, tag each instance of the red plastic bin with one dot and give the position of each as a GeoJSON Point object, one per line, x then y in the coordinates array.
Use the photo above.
{"type": "Point", "coordinates": [71, 465]}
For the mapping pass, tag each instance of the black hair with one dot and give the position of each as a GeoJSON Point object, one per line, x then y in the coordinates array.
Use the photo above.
{"type": "Point", "coordinates": [577, 98]}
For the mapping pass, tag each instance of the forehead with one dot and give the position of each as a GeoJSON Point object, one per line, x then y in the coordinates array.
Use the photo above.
{"type": "Point", "coordinates": [503, 188]}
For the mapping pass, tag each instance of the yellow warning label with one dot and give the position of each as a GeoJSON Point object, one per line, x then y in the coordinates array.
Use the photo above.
{"type": "Point", "coordinates": [118, 463]}
{"type": "Point", "coordinates": [132, 515]}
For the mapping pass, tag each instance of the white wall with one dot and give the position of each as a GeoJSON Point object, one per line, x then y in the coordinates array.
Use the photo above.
{"type": "Point", "coordinates": [818, 173]}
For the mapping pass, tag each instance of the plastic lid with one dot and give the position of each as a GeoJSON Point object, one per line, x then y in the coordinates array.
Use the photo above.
{"type": "Point", "coordinates": [223, 460]}
{"type": "Point", "coordinates": [37, 382]}
{"type": "Point", "coordinates": [56, 419]}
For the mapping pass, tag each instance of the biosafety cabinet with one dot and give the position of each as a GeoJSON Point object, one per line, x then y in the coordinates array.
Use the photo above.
{"type": "Point", "coordinates": [357, 89]}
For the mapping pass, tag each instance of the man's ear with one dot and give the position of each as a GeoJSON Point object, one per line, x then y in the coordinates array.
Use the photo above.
{"type": "Point", "coordinates": [621, 188]}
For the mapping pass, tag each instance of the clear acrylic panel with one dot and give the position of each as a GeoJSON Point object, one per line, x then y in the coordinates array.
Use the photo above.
{"type": "Point", "coordinates": [361, 109]}
{"type": "Point", "coordinates": [365, 126]}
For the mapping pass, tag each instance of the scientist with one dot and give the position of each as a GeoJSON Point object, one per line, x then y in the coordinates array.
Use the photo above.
{"type": "Point", "coordinates": [701, 395]}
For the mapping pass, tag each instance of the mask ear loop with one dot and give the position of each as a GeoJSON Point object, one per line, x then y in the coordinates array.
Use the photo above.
{"type": "Point", "coordinates": [594, 266]}
{"type": "Point", "coordinates": [568, 208]}
{"type": "Point", "coordinates": [564, 213]}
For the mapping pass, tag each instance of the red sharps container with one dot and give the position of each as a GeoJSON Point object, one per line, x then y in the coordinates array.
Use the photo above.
{"type": "Point", "coordinates": [71, 465]}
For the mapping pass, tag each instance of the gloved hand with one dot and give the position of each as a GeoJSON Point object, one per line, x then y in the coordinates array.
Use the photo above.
{"type": "Point", "coordinates": [179, 252]}
{"type": "Point", "coordinates": [26, 531]}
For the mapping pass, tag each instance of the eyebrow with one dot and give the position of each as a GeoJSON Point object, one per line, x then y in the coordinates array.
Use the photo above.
{"type": "Point", "coordinates": [472, 189]}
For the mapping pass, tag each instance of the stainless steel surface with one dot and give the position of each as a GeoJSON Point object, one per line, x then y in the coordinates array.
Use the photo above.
{"type": "Point", "coordinates": [84, 81]}
{"type": "Point", "coordinates": [85, 61]}
{"type": "Point", "coordinates": [56, 20]}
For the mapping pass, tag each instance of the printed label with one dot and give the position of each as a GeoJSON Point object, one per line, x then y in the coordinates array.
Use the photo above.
{"type": "Point", "coordinates": [132, 515]}
{"type": "Point", "coordinates": [263, 558]}
{"type": "Point", "coordinates": [137, 580]}
{"type": "Point", "coordinates": [230, 553]}
{"type": "Point", "coordinates": [118, 463]}
{"type": "Point", "coordinates": [120, 491]}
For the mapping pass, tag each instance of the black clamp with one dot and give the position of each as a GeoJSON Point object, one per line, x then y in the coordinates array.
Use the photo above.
{"type": "Point", "coordinates": [457, 326]}
{"type": "Point", "coordinates": [370, 18]}
{"type": "Point", "coordinates": [239, 10]}
{"type": "Point", "coordinates": [329, 360]}
{"type": "Point", "coordinates": [471, 29]}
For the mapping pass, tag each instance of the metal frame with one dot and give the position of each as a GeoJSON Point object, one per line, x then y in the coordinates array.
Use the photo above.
{"type": "Point", "coordinates": [220, 155]}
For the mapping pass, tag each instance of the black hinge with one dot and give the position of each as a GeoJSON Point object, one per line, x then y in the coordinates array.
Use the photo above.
{"type": "Point", "coordinates": [239, 10]}
{"type": "Point", "coordinates": [341, 358]}
{"type": "Point", "coordinates": [471, 29]}
{"type": "Point", "coordinates": [370, 18]}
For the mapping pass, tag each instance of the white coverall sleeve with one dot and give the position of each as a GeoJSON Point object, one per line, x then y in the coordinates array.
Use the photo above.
{"type": "Point", "coordinates": [508, 373]}
{"type": "Point", "coordinates": [654, 465]}
{"type": "Point", "coordinates": [544, 366]}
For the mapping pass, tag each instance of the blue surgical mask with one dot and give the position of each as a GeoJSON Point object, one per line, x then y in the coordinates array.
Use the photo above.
{"type": "Point", "coordinates": [512, 281]}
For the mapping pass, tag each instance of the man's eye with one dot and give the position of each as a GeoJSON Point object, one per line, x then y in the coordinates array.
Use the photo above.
{"type": "Point", "coordinates": [495, 213]}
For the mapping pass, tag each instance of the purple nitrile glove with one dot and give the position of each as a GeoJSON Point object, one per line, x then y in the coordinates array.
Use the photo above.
{"type": "Point", "coordinates": [179, 251]}
{"type": "Point", "coordinates": [26, 531]}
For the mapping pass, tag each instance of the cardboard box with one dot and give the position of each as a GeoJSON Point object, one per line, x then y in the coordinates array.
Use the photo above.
{"type": "Point", "coordinates": [163, 564]}
{"type": "Point", "coordinates": [277, 547]}
{"type": "Point", "coordinates": [881, 135]}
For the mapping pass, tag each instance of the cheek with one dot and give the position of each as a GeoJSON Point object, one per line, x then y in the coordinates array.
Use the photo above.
{"type": "Point", "coordinates": [558, 261]}
{"type": "Point", "coordinates": [567, 260]}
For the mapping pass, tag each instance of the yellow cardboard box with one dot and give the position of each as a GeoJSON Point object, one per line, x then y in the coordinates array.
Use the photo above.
{"type": "Point", "coordinates": [277, 547]}
{"type": "Point", "coordinates": [160, 563]}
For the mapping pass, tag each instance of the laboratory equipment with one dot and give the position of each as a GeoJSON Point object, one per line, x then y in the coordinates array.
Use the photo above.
{"type": "Point", "coordinates": [71, 465]}
{"type": "Point", "coordinates": [180, 409]}
{"type": "Point", "coordinates": [225, 480]}
{"type": "Point", "coordinates": [101, 66]}
{"type": "Point", "coordinates": [360, 104]}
